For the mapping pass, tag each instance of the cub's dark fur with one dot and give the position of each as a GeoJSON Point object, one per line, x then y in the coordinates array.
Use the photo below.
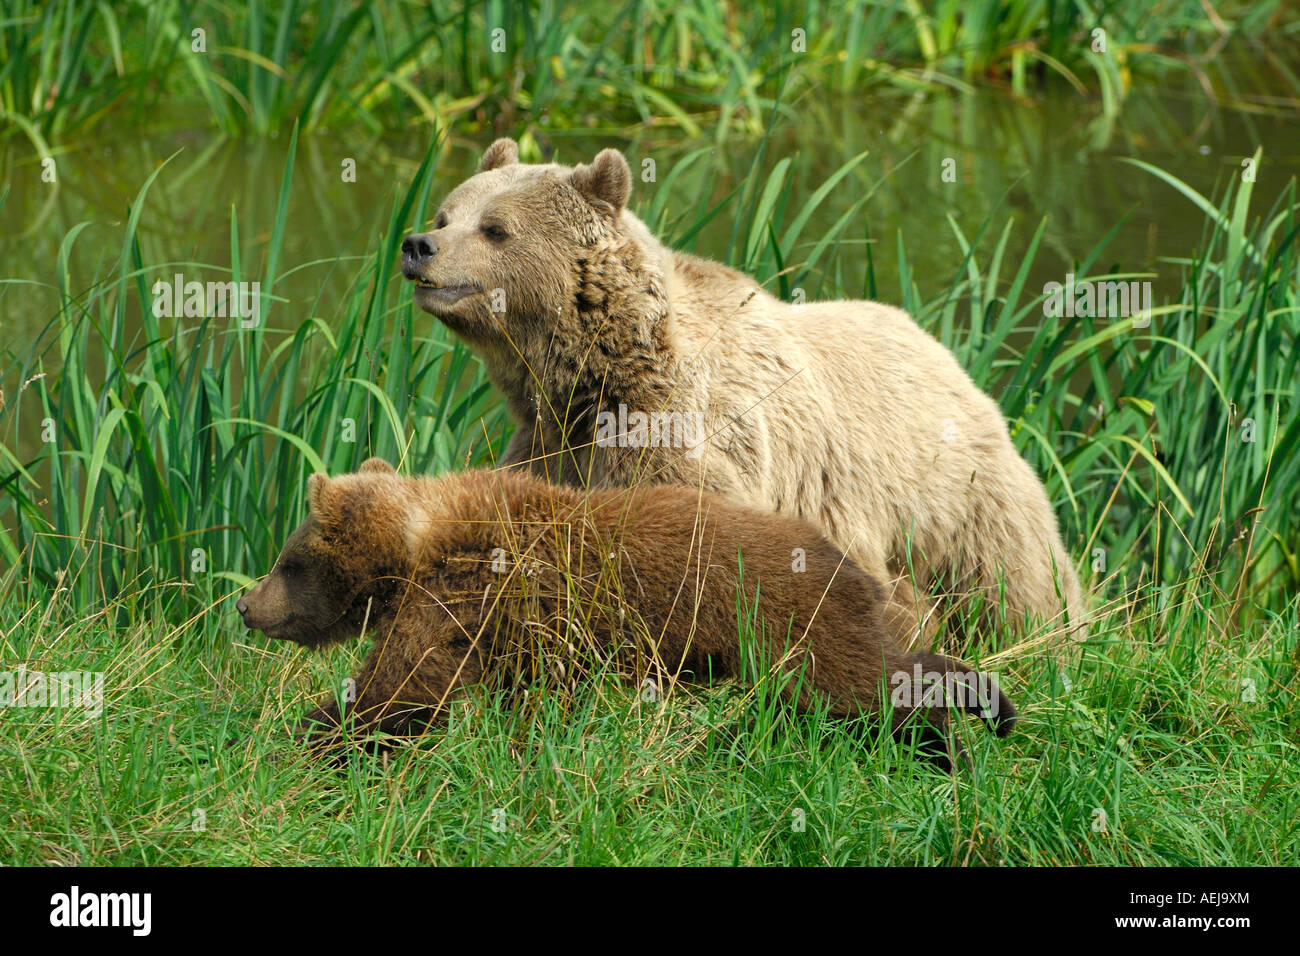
{"type": "Point", "coordinates": [483, 575]}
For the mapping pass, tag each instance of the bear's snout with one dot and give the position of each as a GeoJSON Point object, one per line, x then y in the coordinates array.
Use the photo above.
{"type": "Point", "coordinates": [247, 615]}
{"type": "Point", "coordinates": [252, 609]}
{"type": "Point", "coordinates": [417, 250]}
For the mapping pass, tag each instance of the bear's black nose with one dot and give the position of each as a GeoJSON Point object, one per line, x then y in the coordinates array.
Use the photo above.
{"type": "Point", "coordinates": [241, 606]}
{"type": "Point", "coordinates": [417, 249]}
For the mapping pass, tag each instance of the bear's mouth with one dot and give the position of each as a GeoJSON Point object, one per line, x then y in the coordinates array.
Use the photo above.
{"type": "Point", "coordinates": [444, 294]}
{"type": "Point", "coordinates": [279, 625]}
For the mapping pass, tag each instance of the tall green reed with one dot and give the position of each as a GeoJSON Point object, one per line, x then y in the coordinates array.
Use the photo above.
{"type": "Point", "coordinates": [1170, 439]}
{"type": "Point", "coordinates": [259, 67]}
{"type": "Point", "coordinates": [185, 463]}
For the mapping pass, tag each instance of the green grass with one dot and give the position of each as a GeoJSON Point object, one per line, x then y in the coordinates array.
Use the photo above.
{"type": "Point", "coordinates": [1153, 731]}
{"type": "Point", "coordinates": [196, 436]}
{"type": "Point", "coordinates": [259, 67]}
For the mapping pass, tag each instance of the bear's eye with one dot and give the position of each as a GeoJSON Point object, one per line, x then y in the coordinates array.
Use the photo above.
{"type": "Point", "coordinates": [494, 232]}
{"type": "Point", "coordinates": [441, 221]}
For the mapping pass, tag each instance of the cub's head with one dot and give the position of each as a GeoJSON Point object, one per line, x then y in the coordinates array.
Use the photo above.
{"type": "Point", "coordinates": [350, 558]}
{"type": "Point", "coordinates": [507, 243]}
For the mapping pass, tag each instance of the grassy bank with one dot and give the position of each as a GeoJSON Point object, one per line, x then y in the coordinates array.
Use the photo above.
{"type": "Point", "coordinates": [1171, 742]}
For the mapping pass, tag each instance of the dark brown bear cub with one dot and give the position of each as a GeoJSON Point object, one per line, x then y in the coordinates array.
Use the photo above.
{"type": "Point", "coordinates": [499, 576]}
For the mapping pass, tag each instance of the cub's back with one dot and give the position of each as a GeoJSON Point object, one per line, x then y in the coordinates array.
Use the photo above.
{"type": "Point", "coordinates": [695, 554]}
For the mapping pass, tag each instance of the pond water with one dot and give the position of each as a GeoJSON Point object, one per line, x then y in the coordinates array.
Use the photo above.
{"type": "Point", "coordinates": [1055, 157]}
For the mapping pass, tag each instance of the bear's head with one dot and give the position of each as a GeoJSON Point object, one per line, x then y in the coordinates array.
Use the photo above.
{"type": "Point", "coordinates": [507, 243]}
{"type": "Point", "coordinates": [344, 567]}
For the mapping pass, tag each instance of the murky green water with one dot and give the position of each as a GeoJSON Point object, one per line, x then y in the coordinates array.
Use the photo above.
{"type": "Point", "coordinates": [1055, 158]}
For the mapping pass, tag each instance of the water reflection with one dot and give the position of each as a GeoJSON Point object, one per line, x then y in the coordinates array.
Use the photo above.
{"type": "Point", "coordinates": [933, 160]}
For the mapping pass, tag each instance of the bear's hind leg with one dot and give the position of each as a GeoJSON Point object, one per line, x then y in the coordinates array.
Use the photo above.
{"type": "Point", "coordinates": [932, 687]}
{"type": "Point", "coordinates": [1012, 552]}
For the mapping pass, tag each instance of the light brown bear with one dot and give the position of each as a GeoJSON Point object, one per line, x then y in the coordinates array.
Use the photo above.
{"type": "Point", "coordinates": [481, 576]}
{"type": "Point", "coordinates": [623, 360]}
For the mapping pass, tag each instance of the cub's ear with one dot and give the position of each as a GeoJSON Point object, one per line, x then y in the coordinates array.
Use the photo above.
{"type": "Point", "coordinates": [503, 152]}
{"type": "Point", "coordinates": [322, 496]}
{"type": "Point", "coordinates": [377, 466]}
{"type": "Point", "coordinates": [607, 180]}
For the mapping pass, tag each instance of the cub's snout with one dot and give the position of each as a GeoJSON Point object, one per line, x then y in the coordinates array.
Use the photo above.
{"type": "Point", "coordinates": [254, 609]}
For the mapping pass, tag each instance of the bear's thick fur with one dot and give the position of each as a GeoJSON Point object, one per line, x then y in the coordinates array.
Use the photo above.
{"type": "Point", "coordinates": [847, 414]}
{"type": "Point", "coordinates": [486, 575]}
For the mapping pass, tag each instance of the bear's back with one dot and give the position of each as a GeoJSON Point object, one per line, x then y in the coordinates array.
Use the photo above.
{"type": "Point", "coordinates": [695, 562]}
{"type": "Point", "coordinates": [690, 565]}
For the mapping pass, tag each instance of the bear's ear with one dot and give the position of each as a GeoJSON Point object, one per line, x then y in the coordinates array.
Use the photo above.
{"type": "Point", "coordinates": [321, 496]}
{"type": "Point", "coordinates": [608, 179]}
{"type": "Point", "coordinates": [504, 152]}
{"type": "Point", "coordinates": [377, 466]}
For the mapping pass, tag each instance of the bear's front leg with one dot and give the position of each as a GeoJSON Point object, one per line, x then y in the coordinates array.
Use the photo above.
{"type": "Point", "coordinates": [408, 678]}
{"type": "Point", "coordinates": [532, 450]}
{"type": "Point", "coordinates": [319, 726]}
{"type": "Point", "coordinates": [519, 449]}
